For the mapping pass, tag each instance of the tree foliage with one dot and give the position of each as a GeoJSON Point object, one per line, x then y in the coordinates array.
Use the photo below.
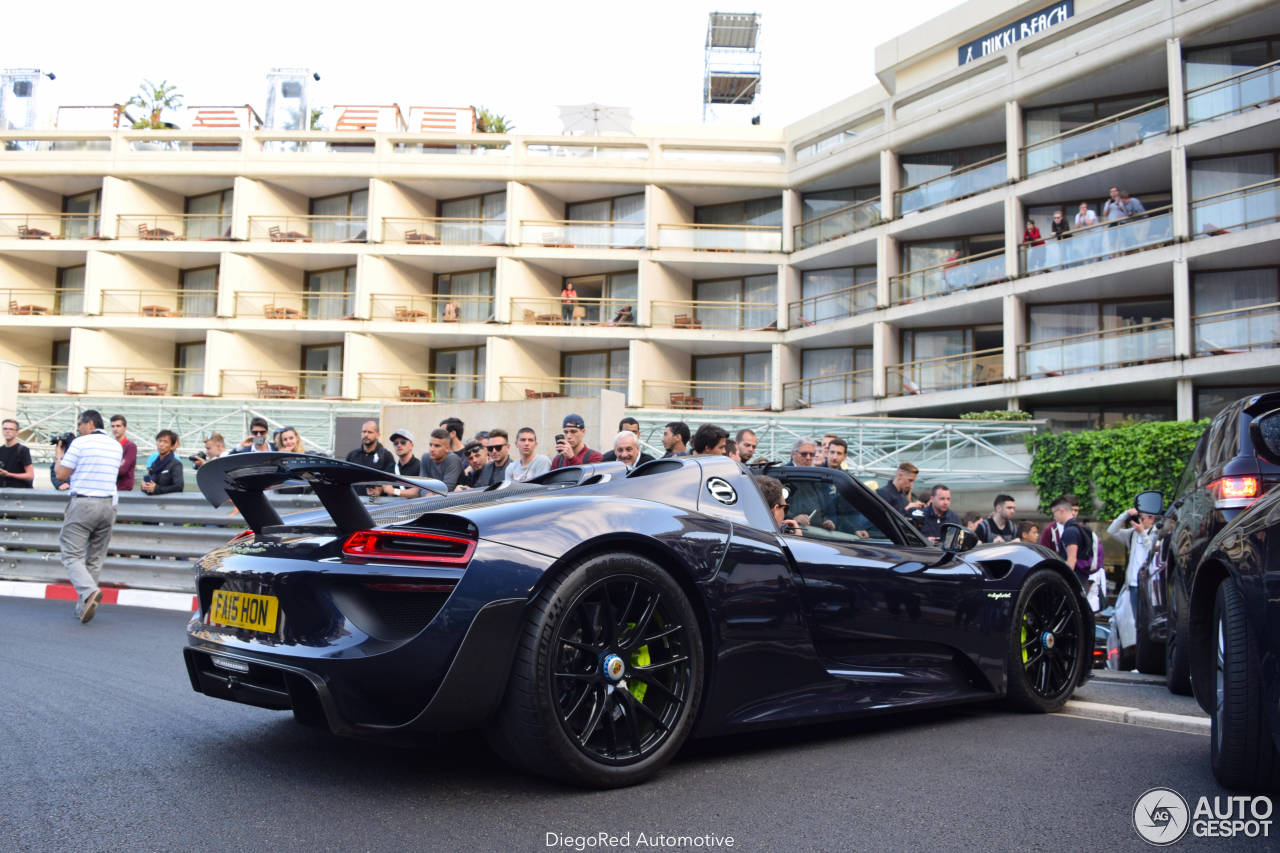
{"type": "Point", "coordinates": [997, 415]}
{"type": "Point", "coordinates": [153, 100]}
{"type": "Point", "coordinates": [488, 121]}
{"type": "Point", "coordinates": [1105, 468]}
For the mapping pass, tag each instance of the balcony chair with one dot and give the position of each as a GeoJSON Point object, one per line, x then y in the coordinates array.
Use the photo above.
{"type": "Point", "coordinates": [685, 321]}
{"type": "Point", "coordinates": [28, 386]}
{"type": "Point", "coordinates": [145, 233]}
{"type": "Point", "coordinates": [419, 238]}
{"type": "Point", "coordinates": [27, 233]}
{"type": "Point", "coordinates": [405, 314]}
{"type": "Point", "coordinates": [279, 236]}
{"type": "Point", "coordinates": [530, 316]}
{"type": "Point", "coordinates": [26, 310]}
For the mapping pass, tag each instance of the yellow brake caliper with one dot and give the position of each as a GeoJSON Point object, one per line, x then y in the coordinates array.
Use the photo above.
{"type": "Point", "coordinates": [1024, 638]}
{"type": "Point", "coordinates": [640, 657]}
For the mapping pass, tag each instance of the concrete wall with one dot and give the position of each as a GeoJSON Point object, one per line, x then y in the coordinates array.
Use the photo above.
{"type": "Point", "coordinates": [121, 197]}
{"type": "Point", "coordinates": [382, 355]}
{"type": "Point", "coordinates": [392, 200]}
{"type": "Point", "coordinates": [8, 388]}
{"type": "Point", "coordinates": [28, 274]}
{"type": "Point", "coordinates": [17, 196]}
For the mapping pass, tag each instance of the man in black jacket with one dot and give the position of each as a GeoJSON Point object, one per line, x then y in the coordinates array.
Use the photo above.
{"type": "Point", "coordinates": [164, 475]}
{"type": "Point", "coordinates": [370, 453]}
{"type": "Point", "coordinates": [937, 512]}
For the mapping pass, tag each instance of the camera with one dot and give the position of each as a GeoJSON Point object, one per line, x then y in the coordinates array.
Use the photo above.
{"type": "Point", "coordinates": [198, 457]}
{"type": "Point", "coordinates": [63, 440]}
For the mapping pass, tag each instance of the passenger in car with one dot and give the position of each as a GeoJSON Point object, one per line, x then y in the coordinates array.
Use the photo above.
{"type": "Point", "coordinates": [771, 490]}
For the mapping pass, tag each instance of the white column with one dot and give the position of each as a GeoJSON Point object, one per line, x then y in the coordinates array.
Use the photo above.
{"type": "Point", "coordinates": [1183, 333]}
{"type": "Point", "coordinates": [888, 183]}
{"type": "Point", "coordinates": [1177, 88]}
{"type": "Point", "coordinates": [1180, 191]}
{"type": "Point", "coordinates": [1013, 135]}
{"type": "Point", "coordinates": [786, 368]}
{"type": "Point", "coordinates": [1015, 333]}
{"type": "Point", "coordinates": [788, 291]}
{"type": "Point", "coordinates": [885, 351]}
{"type": "Point", "coordinates": [886, 267]}
{"type": "Point", "coordinates": [1186, 394]}
{"type": "Point", "coordinates": [1013, 221]}
{"type": "Point", "coordinates": [791, 213]}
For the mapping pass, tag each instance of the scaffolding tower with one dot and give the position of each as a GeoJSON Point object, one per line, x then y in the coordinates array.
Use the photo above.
{"type": "Point", "coordinates": [731, 71]}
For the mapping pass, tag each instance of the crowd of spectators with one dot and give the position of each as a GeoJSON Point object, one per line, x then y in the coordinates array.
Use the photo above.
{"type": "Point", "coordinates": [1119, 206]}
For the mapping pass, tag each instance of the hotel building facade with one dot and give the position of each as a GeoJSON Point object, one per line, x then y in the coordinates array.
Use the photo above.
{"type": "Point", "coordinates": [867, 260]}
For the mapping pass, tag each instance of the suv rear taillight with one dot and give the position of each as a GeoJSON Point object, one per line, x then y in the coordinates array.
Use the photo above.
{"type": "Point", "coordinates": [409, 546]}
{"type": "Point", "coordinates": [1235, 492]}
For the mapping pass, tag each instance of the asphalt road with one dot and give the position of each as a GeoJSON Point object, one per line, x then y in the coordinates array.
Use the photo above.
{"type": "Point", "coordinates": [106, 747]}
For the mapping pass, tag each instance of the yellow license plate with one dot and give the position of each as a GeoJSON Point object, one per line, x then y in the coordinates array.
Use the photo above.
{"type": "Point", "coordinates": [244, 610]}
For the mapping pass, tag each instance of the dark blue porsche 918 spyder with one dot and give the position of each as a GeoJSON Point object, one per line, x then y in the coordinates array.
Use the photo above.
{"type": "Point", "coordinates": [593, 619]}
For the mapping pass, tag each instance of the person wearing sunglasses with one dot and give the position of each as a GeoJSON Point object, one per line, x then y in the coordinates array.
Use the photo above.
{"type": "Point", "coordinates": [774, 496]}
{"type": "Point", "coordinates": [498, 450]}
{"type": "Point", "coordinates": [474, 458]}
{"type": "Point", "coordinates": [257, 440]}
{"type": "Point", "coordinates": [407, 465]}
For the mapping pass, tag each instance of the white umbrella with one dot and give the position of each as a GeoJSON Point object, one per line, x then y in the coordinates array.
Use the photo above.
{"type": "Point", "coordinates": [594, 119]}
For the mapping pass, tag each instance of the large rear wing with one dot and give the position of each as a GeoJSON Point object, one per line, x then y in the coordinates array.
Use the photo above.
{"type": "Point", "coordinates": [243, 479]}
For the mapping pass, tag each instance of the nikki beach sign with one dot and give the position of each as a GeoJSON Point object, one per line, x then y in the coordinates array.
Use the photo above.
{"type": "Point", "coordinates": [1036, 22]}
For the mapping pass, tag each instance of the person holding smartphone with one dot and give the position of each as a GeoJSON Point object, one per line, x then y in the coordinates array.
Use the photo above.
{"type": "Point", "coordinates": [257, 439]}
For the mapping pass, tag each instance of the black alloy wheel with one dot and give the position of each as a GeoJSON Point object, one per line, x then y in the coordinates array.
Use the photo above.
{"type": "Point", "coordinates": [1241, 752]}
{"type": "Point", "coordinates": [1047, 649]}
{"type": "Point", "coordinates": [608, 677]}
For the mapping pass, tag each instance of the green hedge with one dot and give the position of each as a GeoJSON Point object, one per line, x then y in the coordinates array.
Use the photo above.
{"type": "Point", "coordinates": [997, 415]}
{"type": "Point", "coordinates": [1105, 468]}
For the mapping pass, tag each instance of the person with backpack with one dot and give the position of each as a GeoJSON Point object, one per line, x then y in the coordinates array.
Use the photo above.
{"type": "Point", "coordinates": [1072, 540]}
{"type": "Point", "coordinates": [1000, 526]}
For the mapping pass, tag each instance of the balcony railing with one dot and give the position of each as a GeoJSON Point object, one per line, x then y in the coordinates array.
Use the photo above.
{"type": "Point", "coordinates": [946, 373]}
{"type": "Point", "coordinates": [296, 305]}
{"type": "Point", "coordinates": [422, 387]}
{"type": "Point", "coordinates": [838, 223]}
{"type": "Point", "coordinates": [1122, 130]}
{"type": "Point", "coordinates": [160, 303]}
{"type": "Point", "coordinates": [706, 394]}
{"type": "Point", "coordinates": [1102, 241]}
{"type": "Point", "coordinates": [49, 226]}
{"type": "Point", "coordinates": [431, 308]}
{"type": "Point", "coordinates": [46, 379]}
{"type": "Point", "coordinates": [1238, 329]}
{"type": "Point", "coordinates": [188, 226]}
{"type": "Point", "coordinates": [833, 388]}
{"type": "Point", "coordinates": [568, 233]}
{"type": "Point", "coordinates": [309, 229]}
{"type": "Point", "coordinates": [538, 387]}
{"type": "Point", "coordinates": [144, 381]}
{"type": "Point", "coordinates": [585, 311]}
{"type": "Point", "coordinates": [947, 277]}
{"type": "Point", "coordinates": [953, 186]}
{"type": "Point", "coordinates": [835, 305]}
{"type": "Point", "coordinates": [721, 238]}
{"type": "Point", "coordinates": [1236, 210]}
{"type": "Point", "coordinates": [444, 231]}
{"type": "Point", "coordinates": [705, 314]}
{"type": "Point", "coordinates": [61, 301]}
{"type": "Point", "coordinates": [1247, 90]}
{"type": "Point", "coordinates": [282, 384]}
{"type": "Point", "coordinates": [1142, 343]}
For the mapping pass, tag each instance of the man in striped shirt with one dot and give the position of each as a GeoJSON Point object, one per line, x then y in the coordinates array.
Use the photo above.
{"type": "Point", "coordinates": [91, 463]}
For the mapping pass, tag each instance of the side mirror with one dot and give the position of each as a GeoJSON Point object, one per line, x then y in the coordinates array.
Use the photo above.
{"type": "Point", "coordinates": [1264, 432]}
{"type": "Point", "coordinates": [955, 538]}
{"type": "Point", "coordinates": [1152, 503]}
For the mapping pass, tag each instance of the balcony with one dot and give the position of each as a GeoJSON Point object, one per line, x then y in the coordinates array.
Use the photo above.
{"type": "Point", "coordinates": [1100, 242]}
{"type": "Point", "coordinates": [1142, 343]}
{"type": "Point", "coordinates": [946, 373]}
{"type": "Point", "coordinates": [586, 311]}
{"type": "Point", "coordinates": [63, 301]}
{"type": "Point", "coordinates": [1236, 210]}
{"type": "Point", "coordinates": [541, 387]}
{"type": "Point", "coordinates": [721, 238]}
{"type": "Point", "coordinates": [838, 223]}
{"type": "Point", "coordinates": [160, 303]}
{"type": "Point", "coordinates": [950, 276]}
{"type": "Point", "coordinates": [444, 231]}
{"type": "Point", "coordinates": [283, 384]}
{"type": "Point", "coordinates": [835, 305]}
{"type": "Point", "coordinates": [144, 381]}
{"type": "Point", "coordinates": [1238, 330]}
{"type": "Point", "coordinates": [309, 229]}
{"type": "Point", "coordinates": [704, 314]}
{"type": "Point", "coordinates": [1122, 130]}
{"type": "Point", "coordinates": [827, 390]}
{"type": "Point", "coordinates": [1247, 90]}
{"type": "Point", "coordinates": [49, 226]}
{"type": "Point", "coordinates": [173, 227]}
{"type": "Point", "coordinates": [422, 387]}
{"type": "Point", "coordinates": [47, 379]}
{"type": "Point", "coordinates": [953, 186]}
{"type": "Point", "coordinates": [296, 305]}
{"type": "Point", "coordinates": [431, 308]}
{"type": "Point", "coordinates": [571, 233]}
{"type": "Point", "coordinates": [708, 394]}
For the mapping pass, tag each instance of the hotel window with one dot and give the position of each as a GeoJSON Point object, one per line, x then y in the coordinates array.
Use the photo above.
{"type": "Point", "coordinates": [815, 204]}
{"type": "Point", "coordinates": [473, 292]}
{"type": "Point", "coordinates": [330, 294]}
{"type": "Point", "coordinates": [1235, 309]}
{"type": "Point", "coordinates": [459, 373]}
{"type": "Point", "coordinates": [323, 366]}
{"type": "Point", "coordinates": [1215, 208]}
{"type": "Point", "coordinates": [751, 302]}
{"type": "Point", "coordinates": [938, 362]}
{"type": "Point", "coordinates": [626, 212]}
{"type": "Point", "coordinates": [189, 360]}
{"type": "Point", "coordinates": [917, 168]}
{"type": "Point", "coordinates": [212, 215]}
{"type": "Point", "coordinates": [349, 214]}
{"type": "Point", "coordinates": [830, 294]}
{"type": "Point", "coordinates": [1079, 336]}
{"type": "Point", "coordinates": [1041, 123]}
{"type": "Point", "coordinates": [933, 253]}
{"type": "Point", "coordinates": [608, 369]}
{"type": "Point", "coordinates": [70, 295]}
{"type": "Point", "coordinates": [755, 368]}
{"type": "Point", "coordinates": [757, 211]}
{"type": "Point", "coordinates": [617, 290]}
{"type": "Point", "coordinates": [1076, 418]}
{"type": "Point", "coordinates": [486, 219]}
{"type": "Point", "coordinates": [82, 223]}
{"type": "Point", "coordinates": [198, 291]}
{"type": "Point", "coordinates": [1207, 65]}
{"type": "Point", "coordinates": [835, 375]}
{"type": "Point", "coordinates": [59, 358]}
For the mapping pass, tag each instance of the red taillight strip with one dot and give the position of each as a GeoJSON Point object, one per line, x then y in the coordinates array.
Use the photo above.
{"type": "Point", "coordinates": [1235, 492]}
{"type": "Point", "coordinates": [380, 545]}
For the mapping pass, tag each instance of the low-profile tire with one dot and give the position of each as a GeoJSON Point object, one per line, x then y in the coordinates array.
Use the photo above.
{"type": "Point", "coordinates": [607, 676]}
{"type": "Point", "coordinates": [1241, 751]}
{"type": "Point", "coordinates": [1047, 649]}
{"type": "Point", "coordinates": [1177, 662]}
{"type": "Point", "coordinates": [1125, 659]}
{"type": "Point", "coordinates": [1148, 654]}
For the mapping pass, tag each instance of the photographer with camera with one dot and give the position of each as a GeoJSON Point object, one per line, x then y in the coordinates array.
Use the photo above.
{"type": "Point", "coordinates": [16, 470]}
{"type": "Point", "coordinates": [164, 475]}
{"type": "Point", "coordinates": [214, 447]}
{"type": "Point", "coordinates": [90, 463]}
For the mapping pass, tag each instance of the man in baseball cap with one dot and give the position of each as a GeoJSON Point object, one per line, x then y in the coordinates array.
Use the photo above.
{"type": "Point", "coordinates": [575, 435]}
{"type": "Point", "coordinates": [407, 465]}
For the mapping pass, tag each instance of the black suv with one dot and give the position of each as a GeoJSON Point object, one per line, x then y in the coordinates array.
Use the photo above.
{"type": "Point", "coordinates": [1223, 477]}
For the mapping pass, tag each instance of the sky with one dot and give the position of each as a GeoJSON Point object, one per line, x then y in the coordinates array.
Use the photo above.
{"type": "Point", "coordinates": [519, 59]}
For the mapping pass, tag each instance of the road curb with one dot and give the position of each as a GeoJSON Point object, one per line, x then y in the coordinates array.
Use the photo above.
{"type": "Point", "coordinates": [182, 601]}
{"type": "Point", "coordinates": [1136, 717]}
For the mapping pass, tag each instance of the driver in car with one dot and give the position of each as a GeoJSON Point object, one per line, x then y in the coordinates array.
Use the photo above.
{"type": "Point", "coordinates": [771, 490]}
